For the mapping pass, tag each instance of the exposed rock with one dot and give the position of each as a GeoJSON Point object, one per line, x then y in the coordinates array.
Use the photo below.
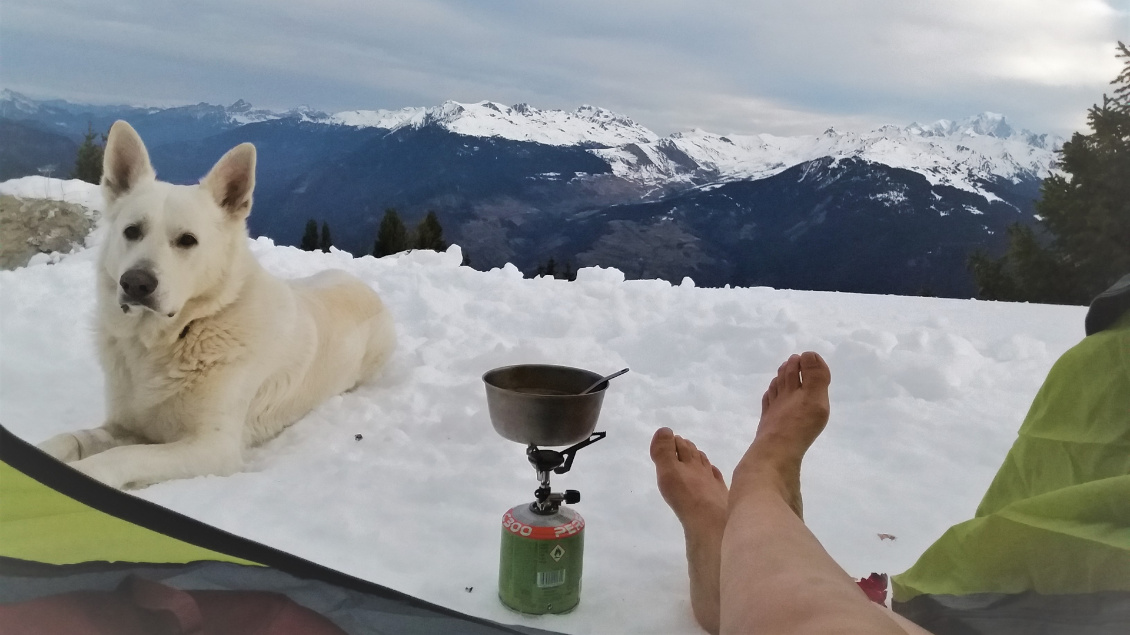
{"type": "Point", "coordinates": [30, 226]}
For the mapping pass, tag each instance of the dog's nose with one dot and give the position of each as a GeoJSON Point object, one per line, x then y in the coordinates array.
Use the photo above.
{"type": "Point", "coordinates": [138, 284]}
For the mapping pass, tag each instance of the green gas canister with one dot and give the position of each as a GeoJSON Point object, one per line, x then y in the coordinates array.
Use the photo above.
{"type": "Point", "coordinates": [542, 559]}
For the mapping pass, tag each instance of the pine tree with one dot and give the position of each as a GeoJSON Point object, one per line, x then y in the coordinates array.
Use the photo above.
{"type": "Point", "coordinates": [429, 234]}
{"type": "Point", "coordinates": [1080, 245]}
{"type": "Point", "coordinates": [392, 237]}
{"type": "Point", "coordinates": [310, 236]}
{"type": "Point", "coordinates": [326, 242]}
{"type": "Point", "coordinates": [88, 162]}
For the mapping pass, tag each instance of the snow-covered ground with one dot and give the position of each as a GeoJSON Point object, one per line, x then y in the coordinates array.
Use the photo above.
{"type": "Point", "coordinates": [927, 396]}
{"type": "Point", "coordinates": [71, 191]}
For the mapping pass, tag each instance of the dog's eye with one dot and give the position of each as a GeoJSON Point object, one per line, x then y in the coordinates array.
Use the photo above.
{"type": "Point", "coordinates": [186, 240]}
{"type": "Point", "coordinates": [133, 232]}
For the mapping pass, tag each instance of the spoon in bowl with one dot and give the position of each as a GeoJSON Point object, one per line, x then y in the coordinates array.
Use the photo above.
{"type": "Point", "coordinates": [602, 380]}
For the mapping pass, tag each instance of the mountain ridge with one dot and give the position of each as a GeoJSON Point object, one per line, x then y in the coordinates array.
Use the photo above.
{"type": "Point", "coordinates": [960, 153]}
{"type": "Point", "coordinates": [593, 187]}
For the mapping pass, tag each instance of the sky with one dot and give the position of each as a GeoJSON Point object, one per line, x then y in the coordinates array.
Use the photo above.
{"type": "Point", "coordinates": [723, 66]}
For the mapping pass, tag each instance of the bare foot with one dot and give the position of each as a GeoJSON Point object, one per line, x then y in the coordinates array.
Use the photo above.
{"type": "Point", "coordinates": [697, 493]}
{"type": "Point", "coordinates": [794, 411]}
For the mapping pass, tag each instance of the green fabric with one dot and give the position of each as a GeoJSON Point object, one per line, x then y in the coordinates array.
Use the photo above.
{"type": "Point", "coordinates": [40, 524]}
{"type": "Point", "coordinates": [1056, 519]}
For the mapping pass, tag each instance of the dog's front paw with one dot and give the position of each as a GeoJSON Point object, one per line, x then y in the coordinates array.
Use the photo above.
{"type": "Point", "coordinates": [64, 447]}
{"type": "Point", "coordinates": [100, 470]}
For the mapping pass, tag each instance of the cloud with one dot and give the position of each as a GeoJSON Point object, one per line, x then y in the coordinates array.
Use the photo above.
{"type": "Point", "coordinates": [714, 64]}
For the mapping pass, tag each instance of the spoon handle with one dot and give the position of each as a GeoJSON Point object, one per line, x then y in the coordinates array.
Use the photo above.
{"type": "Point", "coordinates": [603, 379]}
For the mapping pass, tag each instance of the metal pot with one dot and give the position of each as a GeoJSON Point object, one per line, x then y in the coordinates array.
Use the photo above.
{"type": "Point", "coordinates": [539, 404]}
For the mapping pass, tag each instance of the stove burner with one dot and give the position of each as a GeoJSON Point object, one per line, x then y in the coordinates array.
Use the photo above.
{"type": "Point", "coordinates": [547, 461]}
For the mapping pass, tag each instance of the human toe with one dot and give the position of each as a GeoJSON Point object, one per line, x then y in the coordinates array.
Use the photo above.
{"type": "Point", "coordinates": [792, 373]}
{"type": "Point", "coordinates": [688, 452]}
{"type": "Point", "coordinates": [663, 448]}
{"type": "Point", "coordinates": [814, 370]}
{"type": "Point", "coordinates": [704, 460]}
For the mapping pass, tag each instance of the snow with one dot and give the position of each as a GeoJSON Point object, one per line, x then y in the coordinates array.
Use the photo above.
{"type": "Point", "coordinates": [72, 191]}
{"type": "Point", "coordinates": [964, 154]}
{"type": "Point", "coordinates": [927, 395]}
{"type": "Point", "coordinates": [522, 122]}
{"type": "Point", "coordinates": [243, 113]}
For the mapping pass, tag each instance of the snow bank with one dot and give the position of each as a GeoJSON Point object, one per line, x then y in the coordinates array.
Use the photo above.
{"type": "Point", "coordinates": [72, 191]}
{"type": "Point", "coordinates": [927, 395]}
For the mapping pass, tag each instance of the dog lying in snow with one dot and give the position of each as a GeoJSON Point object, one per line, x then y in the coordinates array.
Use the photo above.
{"type": "Point", "coordinates": [204, 352]}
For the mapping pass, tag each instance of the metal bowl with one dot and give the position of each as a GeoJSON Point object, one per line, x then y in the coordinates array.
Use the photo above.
{"type": "Point", "coordinates": [539, 404]}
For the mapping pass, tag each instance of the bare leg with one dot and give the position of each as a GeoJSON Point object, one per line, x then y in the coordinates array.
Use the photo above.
{"type": "Point", "coordinates": [775, 575]}
{"type": "Point", "coordinates": [697, 493]}
{"type": "Point", "coordinates": [777, 578]}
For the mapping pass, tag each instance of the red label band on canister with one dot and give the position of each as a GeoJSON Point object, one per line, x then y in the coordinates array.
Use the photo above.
{"type": "Point", "coordinates": [519, 528]}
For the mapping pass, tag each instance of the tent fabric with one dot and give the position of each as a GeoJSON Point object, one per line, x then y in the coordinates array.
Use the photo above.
{"type": "Point", "coordinates": [1053, 529]}
{"type": "Point", "coordinates": [64, 533]}
{"type": "Point", "coordinates": [79, 533]}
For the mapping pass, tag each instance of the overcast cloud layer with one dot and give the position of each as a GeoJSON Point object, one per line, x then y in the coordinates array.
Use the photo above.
{"type": "Point", "coordinates": [724, 66]}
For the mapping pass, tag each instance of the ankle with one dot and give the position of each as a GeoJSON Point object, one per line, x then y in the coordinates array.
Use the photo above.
{"type": "Point", "coordinates": [706, 527]}
{"type": "Point", "coordinates": [770, 457]}
{"type": "Point", "coordinates": [758, 475]}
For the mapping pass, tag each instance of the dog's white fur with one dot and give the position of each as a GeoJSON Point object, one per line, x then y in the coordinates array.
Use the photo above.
{"type": "Point", "coordinates": [220, 355]}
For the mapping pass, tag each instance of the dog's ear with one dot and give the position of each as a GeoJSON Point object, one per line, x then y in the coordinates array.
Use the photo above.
{"type": "Point", "coordinates": [125, 162]}
{"type": "Point", "coordinates": [232, 180]}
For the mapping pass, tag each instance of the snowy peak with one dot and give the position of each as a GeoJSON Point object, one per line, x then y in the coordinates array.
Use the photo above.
{"type": "Point", "coordinates": [239, 106]}
{"type": "Point", "coordinates": [242, 112]}
{"type": "Point", "coordinates": [16, 105]}
{"type": "Point", "coordinates": [987, 123]}
{"type": "Point", "coordinates": [965, 154]}
{"type": "Point", "coordinates": [10, 100]}
{"type": "Point", "coordinates": [588, 125]}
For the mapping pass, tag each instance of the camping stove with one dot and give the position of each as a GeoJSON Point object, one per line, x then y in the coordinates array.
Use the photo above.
{"type": "Point", "coordinates": [542, 550]}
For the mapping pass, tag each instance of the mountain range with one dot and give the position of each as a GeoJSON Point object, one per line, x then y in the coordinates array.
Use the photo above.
{"type": "Point", "coordinates": [893, 210]}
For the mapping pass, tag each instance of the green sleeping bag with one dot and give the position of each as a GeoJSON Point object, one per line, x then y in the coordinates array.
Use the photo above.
{"type": "Point", "coordinates": [1049, 548]}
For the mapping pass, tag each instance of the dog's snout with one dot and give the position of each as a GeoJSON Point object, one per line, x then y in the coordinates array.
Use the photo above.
{"type": "Point", "coordinates": [138, 284]}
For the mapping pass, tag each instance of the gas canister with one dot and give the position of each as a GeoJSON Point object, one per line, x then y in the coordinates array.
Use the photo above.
{"type": "Point", "coordinates": [541, 560]}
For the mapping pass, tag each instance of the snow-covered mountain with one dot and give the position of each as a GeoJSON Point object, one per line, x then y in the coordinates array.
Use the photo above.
{"type": "Point", "coordinates": [967, 154]}
{"type": "Point", "coordinates": [14, 105]}
{"type": "Point", "coordinates": [587, 125]}
{"type": "Point", "coordinates": [592, 187]}
{"type": "Point", "coordinates": [964, 154]}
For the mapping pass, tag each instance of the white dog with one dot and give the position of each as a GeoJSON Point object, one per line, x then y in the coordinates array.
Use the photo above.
{"type": "Point", "coordinates": [204, 352]}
